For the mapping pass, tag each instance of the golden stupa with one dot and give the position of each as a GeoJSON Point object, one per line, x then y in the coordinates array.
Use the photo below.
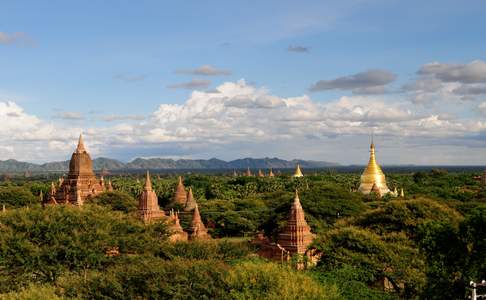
{"type": "Point", "coordinates": [298, 172]}
{"type": "Point", "coordinates": [373, 179]}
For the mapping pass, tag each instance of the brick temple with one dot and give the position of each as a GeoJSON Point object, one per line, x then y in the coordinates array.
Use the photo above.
{"type": "Point", "coordinates": [80, 184]}
{"type": "Point", "coordinates": [148, 203]}
{"type": "Point", "coordinates": [294, 239]}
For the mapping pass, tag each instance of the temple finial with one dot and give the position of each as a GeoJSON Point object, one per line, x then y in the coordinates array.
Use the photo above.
{"type": "Point", "coordinates": [297, 199]}
{"type": "Point", "coordinates": [148, 182]}
{"type": "Point", "coordinates": [80, 147]}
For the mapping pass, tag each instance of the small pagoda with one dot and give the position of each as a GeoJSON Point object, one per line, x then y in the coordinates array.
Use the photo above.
{"type": "Point", "coordinates": [190, 202]}
{"type": "Point", "coordinates": [260, 173]}
{"type": "Point", "coordinates": [294, 239]}
{"type": "Point", "coordinates": [248, 172]}
{"type": "Point", "coordinates": [298, 172]}
{"type": "Point", "coordinates": [177, 234]}
{"type": "Point", "coordinates": [148, 204]}
{"type": "Point", "coordinates": [180, 195]}
{"type": "Point", "coordinates": [296, 236]}
{"type": "Point", "coordinates": [270, 174]}
{"type": "Point", "coordinates": [198, 231]}
{"type": "Point", "coordinates": [81, 183]}
{"type": "Point", "coordinates": [373, 179]}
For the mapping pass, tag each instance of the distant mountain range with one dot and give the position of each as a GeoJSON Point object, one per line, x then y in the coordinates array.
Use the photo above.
{"type": "Point", "coordinates": [14, 166]}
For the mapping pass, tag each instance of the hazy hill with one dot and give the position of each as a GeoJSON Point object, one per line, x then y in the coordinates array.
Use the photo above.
{"type": "Point", "coordinates": [14, 166]}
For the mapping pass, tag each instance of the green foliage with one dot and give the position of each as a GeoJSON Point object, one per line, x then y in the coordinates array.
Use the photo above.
{"type": "Point", "coordinates": [32, 292]}
{"type": "Point", "coordinates": [406, 215]}
{"type": "Point", "coordinates": [118, 201]}
{"type": "Point", "coordinates": [39, 245]}
{"type": "Point", "coordinates": [14, 196]}
{"type": "Point", "coordinates": [374, 257]}
{"type": "Point", "coordinates": [152, 278]}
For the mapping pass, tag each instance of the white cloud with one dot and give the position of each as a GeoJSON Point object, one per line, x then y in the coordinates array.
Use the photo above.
{"type": "Point", "coordinates": [241, 119]}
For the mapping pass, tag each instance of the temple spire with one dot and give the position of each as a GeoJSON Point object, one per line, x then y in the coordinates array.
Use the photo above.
{"type": "Point", "coordinates": [80, 148]}
{"type": "Point", "coordinates": [148, 182]}
{"type": "Point", "coordinates": [198, 231]}
{"type": "Point", "coordinates": [180, 195]}
{"type": "Point", "coordinates": [296, 236]}
{"type": "Point", "coordinates": [190, 202]}
{"type": "Point", "coordinates": [298, 172]}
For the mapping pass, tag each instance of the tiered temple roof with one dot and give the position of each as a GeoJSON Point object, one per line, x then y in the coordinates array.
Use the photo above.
{"type": "Point", "coordinates": [373, 178]}
{"type": "Point", "coordinates": [148, 206]}
{"type": "Point", "coordinates": [180, 195]}
{"type": "Point", "coordinates": [197, 230]}
{"type": "Point", "coordinates": [81, 182]}
{"type": "Point", "coordinates": [298, 172]}
{"type": "Point", "coordinates": [296, 236]}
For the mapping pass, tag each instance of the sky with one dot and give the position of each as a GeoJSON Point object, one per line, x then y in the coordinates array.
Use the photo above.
{"type": "Point", "coordinates": [232, 79]}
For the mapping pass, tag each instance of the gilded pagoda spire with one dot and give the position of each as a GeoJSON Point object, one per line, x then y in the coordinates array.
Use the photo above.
{"type": "Point", "coordinates": [298, 172]}
{"type": "Point", "coordinates": [373, 178]}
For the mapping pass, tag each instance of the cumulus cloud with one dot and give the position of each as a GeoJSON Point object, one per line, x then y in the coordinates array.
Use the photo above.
{"type": "Point", "coordinates": [240, 119]}
{"type": "Point", "coordinates": [205, 70]}
{"type": "Point", "coordinates": [368, 82]}
{"type": "Point", "coordinates": [16, 38]}
{"type": "Point", "coordinates": [474, 72]}
{"type": "Point", "coordinates": [448, 82]}
{"type": "Point", "coordinates": [298, 49]}
{"type": "Point", "coordinates": [191, 85]}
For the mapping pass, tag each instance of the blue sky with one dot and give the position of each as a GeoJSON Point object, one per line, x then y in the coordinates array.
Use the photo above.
{"type": "Point", "coordinates": [109, 68]}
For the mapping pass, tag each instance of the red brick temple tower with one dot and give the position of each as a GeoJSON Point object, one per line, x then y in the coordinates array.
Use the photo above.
{"type": "Point", "coordinates": [198, 231]}
{"type": "Point", "coordinates": [177, 234]}
{"type": "Point", "coordinates": [180, 194]}
{"type": "Point", "coordinates": [81, 182]}
{"type": "Point", "coordinates": [296, 236]}
{"type": "Point", "coordinates": [191, 202]}
{"type": "Point", "coordinates": [148, 205]}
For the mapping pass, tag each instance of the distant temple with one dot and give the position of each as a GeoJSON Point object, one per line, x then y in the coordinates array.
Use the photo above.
{"type": "Point", "coordinates": [180, 195]}
{"type": "Point", "coordinates": [177, 234]}
{"type": "Point", "coordinates": [198, 231]}
{"type": "Point", "coordinates": [373, 178]}
{"type": "Point", "coordinates": [248, 172]}
{"type": "Point", "coordinates": [149, 211]}
{"type": "Point", "coordinates": [270, 174]}
{"type": "Point", "coordinates": [190, 202]}
{"type": "Point", "coordinates": [294, 239]}
{"type": "Point", "coordinates": [148, 204]}
{"type": "Point", "coordinates": [81, 183]}
{"type": "Point", "coordinates": [298, 172]}
{"type": "Point", "coordinates": [260, 173]}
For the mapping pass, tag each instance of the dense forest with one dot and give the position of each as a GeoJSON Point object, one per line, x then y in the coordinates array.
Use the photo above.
{"type": "Point", "coordinates": [427, 245]}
